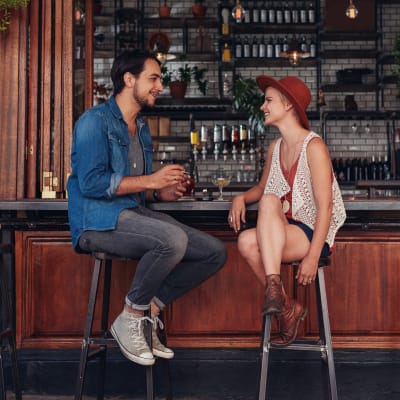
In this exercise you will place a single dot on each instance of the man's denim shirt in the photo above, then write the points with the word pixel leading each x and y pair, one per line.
pixel 99 161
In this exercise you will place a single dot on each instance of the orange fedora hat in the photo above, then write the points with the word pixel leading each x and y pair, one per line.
pixel 294 89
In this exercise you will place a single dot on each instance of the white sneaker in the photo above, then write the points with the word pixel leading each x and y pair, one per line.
pixel 127 330
pixel 158 348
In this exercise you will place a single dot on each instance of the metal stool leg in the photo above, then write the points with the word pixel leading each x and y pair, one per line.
pixel 149 369
pixel 326 332
pixel 88 329
pixel 104 329
pixel 265 357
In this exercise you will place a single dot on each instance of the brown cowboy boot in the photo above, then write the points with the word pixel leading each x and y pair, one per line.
pixel 274 295
pixel 288 322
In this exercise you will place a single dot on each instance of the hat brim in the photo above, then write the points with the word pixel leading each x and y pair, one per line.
pixel 264 81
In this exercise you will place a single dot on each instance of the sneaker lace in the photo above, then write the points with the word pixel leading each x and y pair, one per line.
pixel 135 325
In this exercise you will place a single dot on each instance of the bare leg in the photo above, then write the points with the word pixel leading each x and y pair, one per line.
pixel 248 248
pixel 271 233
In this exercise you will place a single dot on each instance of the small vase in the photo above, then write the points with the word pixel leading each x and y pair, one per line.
pixel 199 10
pixel 164 11
pixel 178 89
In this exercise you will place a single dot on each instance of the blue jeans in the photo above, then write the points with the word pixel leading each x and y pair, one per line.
pixel 173 258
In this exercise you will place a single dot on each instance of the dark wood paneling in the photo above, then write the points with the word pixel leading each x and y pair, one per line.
pixel 13 83
pixel 363 282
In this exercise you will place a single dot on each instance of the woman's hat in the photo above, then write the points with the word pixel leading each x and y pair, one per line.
pixel 294 89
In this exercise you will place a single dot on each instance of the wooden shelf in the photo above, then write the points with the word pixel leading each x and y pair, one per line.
pixel 337 87
pixel 346 54
pixel 272 62
pixel 343 36
pixel 243 29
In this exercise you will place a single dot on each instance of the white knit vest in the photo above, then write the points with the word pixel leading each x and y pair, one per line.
pixel 303 202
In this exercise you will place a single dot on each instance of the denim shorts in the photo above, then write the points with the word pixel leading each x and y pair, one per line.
pixel 326 251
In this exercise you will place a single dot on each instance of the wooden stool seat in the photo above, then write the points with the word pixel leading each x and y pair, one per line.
pixel 7 333
pixel 101 343
pixel 323 345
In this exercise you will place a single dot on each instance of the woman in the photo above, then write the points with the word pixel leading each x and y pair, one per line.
pixel 300 205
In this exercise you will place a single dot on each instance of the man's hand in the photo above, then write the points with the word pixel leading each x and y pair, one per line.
pixel 167 177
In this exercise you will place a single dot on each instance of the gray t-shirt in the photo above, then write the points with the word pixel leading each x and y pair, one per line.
pixel 136 159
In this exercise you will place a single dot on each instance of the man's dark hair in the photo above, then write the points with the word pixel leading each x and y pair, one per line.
pixel 129 61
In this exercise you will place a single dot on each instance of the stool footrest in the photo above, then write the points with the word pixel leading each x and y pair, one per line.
pixel 103 341
pixel 302 346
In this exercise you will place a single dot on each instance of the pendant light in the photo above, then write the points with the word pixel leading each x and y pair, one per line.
pixel 294 54
pixel 351 11
pixel 238 12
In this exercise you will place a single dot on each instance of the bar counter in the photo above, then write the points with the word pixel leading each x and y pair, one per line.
pixel 351 204
pixel 363 280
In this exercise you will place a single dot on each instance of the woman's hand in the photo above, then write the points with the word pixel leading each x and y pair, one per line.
pixel 237 213
pixel 307 271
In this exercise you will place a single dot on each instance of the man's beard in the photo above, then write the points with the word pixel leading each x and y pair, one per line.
pixel 141 100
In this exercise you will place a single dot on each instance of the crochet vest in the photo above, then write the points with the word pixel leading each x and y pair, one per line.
pixel 303 202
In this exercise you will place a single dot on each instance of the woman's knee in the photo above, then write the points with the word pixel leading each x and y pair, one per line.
pixel 269 202
pixel 247 242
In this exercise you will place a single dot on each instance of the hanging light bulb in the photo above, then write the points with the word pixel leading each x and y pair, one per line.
pixel 238 12
pixel 351 11
pixel 294 54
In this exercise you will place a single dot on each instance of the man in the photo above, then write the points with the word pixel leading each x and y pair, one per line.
pixel 108 189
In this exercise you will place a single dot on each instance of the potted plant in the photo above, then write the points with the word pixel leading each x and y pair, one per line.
pixel 5 11
pixel 199 9
pixel 248 98
pixel 164 10
pixel 178 79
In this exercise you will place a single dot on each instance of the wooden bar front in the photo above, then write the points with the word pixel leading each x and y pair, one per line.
pixel 363 282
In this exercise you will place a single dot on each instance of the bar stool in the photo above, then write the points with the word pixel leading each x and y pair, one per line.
pixel 323 345
pixel 7 334
pixel 101 343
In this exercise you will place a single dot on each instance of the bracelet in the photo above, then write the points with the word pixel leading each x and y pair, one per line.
pixel 156 195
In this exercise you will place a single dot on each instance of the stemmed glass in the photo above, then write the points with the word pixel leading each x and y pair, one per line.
pixel 221 179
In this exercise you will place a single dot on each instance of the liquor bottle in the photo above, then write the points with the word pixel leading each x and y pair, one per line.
pixel 234 136
pixel 246 47
pixel 270 48
pixel 226 53
pixel 373 169
pixel 194 133
pixel 217 140
pixel 313 49
pixel 238 48
pixel 243 136
pixel 203 136
pixel 386 168
pixel 279 14
pixel 271 14
pixel 287 14
pixel 311 13
pixel 380 168
pixel 256 14
pixel 303 44
pixel 226 142
pixel 226 86
pixel 303 13
pixel 261 48
pixel 285 45
pixel 347 169
pixel 254 48
pixel 277 48
pixel 247 15
pixel 295 14
pixel 365 169
pixel 263 13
